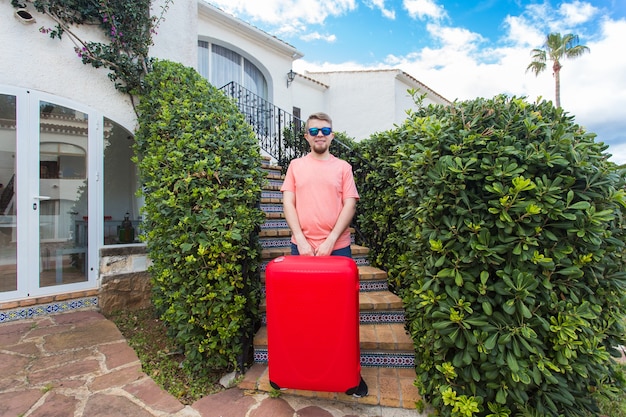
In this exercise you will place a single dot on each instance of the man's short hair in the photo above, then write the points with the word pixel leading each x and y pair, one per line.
pixel 319 116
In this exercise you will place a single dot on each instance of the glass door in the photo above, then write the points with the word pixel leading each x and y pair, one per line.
pixel 44 211
pixel 8 200
pixel 62 198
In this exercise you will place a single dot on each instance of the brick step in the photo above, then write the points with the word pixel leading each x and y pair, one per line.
pixel 370 302
pixel 272 228
pixel 271 232
pixel 273 184
pixel 272 208
pixel 374 307
pixel 386 344
pixel 366 317
pixel 388 387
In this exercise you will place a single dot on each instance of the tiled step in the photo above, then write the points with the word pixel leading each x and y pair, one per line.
pixel 382 345
pixel 388 387
pixel 271 196
pixel 375 307
pixel 273 184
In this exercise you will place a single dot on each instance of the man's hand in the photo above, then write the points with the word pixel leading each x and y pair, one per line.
pixel 304 248
pixel 325 248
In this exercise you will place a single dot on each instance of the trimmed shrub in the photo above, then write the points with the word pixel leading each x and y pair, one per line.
pixel 200 166
pixel 503 221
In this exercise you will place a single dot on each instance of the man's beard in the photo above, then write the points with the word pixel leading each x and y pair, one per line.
pixel 318 150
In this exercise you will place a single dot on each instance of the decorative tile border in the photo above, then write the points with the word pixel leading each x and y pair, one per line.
pixel 47 309
pixel 366 286
pixel 275 242
pixel 275 224
pixel 381 317
pixel 272 208
pixel 388 360
pixel 271 194
pixel 372 359
pixel 387 317
pixel 275 183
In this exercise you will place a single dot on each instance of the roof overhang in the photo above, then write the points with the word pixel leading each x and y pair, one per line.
pixel 215 14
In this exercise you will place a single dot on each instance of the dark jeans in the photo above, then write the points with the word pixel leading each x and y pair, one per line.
pixel 347 252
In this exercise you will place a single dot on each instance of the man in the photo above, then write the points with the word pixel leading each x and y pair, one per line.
pixel 319 200
pixel 319 195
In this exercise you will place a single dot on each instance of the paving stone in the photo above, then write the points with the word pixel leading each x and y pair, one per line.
pixel 117 378
pixel 11 333
pixel 102 405
pixel 45 321
pixel 66 371
pixel 18 403
pixel 11 365
pixel 98 332
pixel 56 405
pixel 81 318
pixel 118 354
pixel 273 407
pixel 55 360
pixel 229 403
pixel 13 382
pixel 154 396
pixel 313 411
pixel 37 332
pixel 24 348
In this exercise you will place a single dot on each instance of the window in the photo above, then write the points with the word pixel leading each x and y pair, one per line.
pixel 222 66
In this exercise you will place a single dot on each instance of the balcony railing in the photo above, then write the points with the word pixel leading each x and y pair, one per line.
pixel 279 132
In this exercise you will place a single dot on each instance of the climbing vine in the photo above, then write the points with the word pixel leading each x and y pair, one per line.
pixel 128 25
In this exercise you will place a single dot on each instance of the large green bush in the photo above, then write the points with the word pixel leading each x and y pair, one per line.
pixel 202 177
pixel 502 224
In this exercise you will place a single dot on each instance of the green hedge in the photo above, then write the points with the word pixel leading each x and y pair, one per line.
pixel 502 225
pixel 200 166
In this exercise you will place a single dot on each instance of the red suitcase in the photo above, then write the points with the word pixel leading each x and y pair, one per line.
pixel 313 323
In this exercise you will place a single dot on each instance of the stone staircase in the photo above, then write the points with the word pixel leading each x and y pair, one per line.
pixel 387 355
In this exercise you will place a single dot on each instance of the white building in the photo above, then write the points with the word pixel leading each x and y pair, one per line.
pixel 66 133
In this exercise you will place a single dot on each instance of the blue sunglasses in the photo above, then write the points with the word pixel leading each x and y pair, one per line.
pixel 313 131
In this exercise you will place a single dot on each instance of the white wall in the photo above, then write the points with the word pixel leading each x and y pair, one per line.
pixel 33 60
pixel 177 37
pixel 360 102
pixel 308 95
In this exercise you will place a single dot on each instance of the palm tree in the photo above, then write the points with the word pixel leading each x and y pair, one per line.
pixel 556 48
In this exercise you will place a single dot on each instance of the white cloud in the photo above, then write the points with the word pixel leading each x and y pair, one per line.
pixel 522 33
pixel 577 13
pixel 276 12
pixel 315 36
pixel 380 4
pixel 422 9
pixel 454 37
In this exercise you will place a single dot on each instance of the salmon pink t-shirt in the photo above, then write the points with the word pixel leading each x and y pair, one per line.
pixel 320 186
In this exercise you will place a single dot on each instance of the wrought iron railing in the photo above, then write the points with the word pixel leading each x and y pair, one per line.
pixel 279 132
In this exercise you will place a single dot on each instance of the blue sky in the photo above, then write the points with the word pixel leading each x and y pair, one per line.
pixel 463 49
